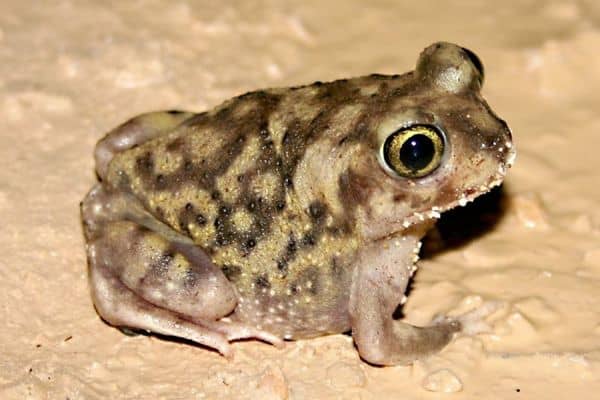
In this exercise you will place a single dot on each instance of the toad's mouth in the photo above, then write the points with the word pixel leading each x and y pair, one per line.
pixel 426 217
pixel 418 223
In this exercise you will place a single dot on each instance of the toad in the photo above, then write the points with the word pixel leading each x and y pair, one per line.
pixel 290 213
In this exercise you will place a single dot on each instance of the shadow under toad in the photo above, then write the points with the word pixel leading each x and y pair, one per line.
pixel 458 227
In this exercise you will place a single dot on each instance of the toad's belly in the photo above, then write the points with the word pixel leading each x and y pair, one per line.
pixel 294 317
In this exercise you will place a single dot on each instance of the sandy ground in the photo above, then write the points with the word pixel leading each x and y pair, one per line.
pixel 71 70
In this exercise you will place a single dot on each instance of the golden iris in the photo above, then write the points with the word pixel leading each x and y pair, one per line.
pixel 415 151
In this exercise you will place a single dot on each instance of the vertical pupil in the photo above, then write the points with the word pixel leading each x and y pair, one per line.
pixel 417 152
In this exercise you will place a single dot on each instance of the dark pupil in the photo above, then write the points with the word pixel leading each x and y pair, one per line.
pixel 417 152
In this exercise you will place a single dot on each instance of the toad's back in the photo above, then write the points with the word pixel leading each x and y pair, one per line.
pixel 238 181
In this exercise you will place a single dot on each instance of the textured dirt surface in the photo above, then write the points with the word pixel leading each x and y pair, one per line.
pixel 71 70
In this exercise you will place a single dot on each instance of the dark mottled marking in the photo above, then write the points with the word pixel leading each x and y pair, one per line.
pixel 263 130
pixel 288 182
pixel 469 191
pixel 354 189
pixel 262 282
pixel 282 266
pixel 225 210
pixel 183 227
pixel 287 255
pixel 247 246
pixel 398 197
pixel 192 277
pixel 160 182
pixel 309 239
pixel 144 165
pixel 294 288
pixel 187 215
pixel 222 239
pixel 232 272
pixel 316 210
pixel 161 264
pixel 299 135
pixel 200 219
pixel 176 145
pixel 291 246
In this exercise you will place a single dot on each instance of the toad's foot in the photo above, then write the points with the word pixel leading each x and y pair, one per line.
pixel 238 331
pixel 398 343
pixel 473 322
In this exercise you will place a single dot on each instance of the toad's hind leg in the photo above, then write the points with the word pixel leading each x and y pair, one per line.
pixel 121 307
pixel 134 132
pixel 145 276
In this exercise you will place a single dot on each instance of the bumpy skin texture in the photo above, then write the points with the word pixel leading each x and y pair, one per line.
pixel 272 217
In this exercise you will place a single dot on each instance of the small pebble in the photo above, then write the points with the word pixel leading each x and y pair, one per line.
pixel 442 380
pixel 530 211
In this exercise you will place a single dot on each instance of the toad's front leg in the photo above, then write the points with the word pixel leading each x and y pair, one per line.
pixel 379 282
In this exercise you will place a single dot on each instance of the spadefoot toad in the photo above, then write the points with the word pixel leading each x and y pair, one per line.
pixel 294 212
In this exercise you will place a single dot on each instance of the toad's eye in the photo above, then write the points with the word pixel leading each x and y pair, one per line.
pixel 415 151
